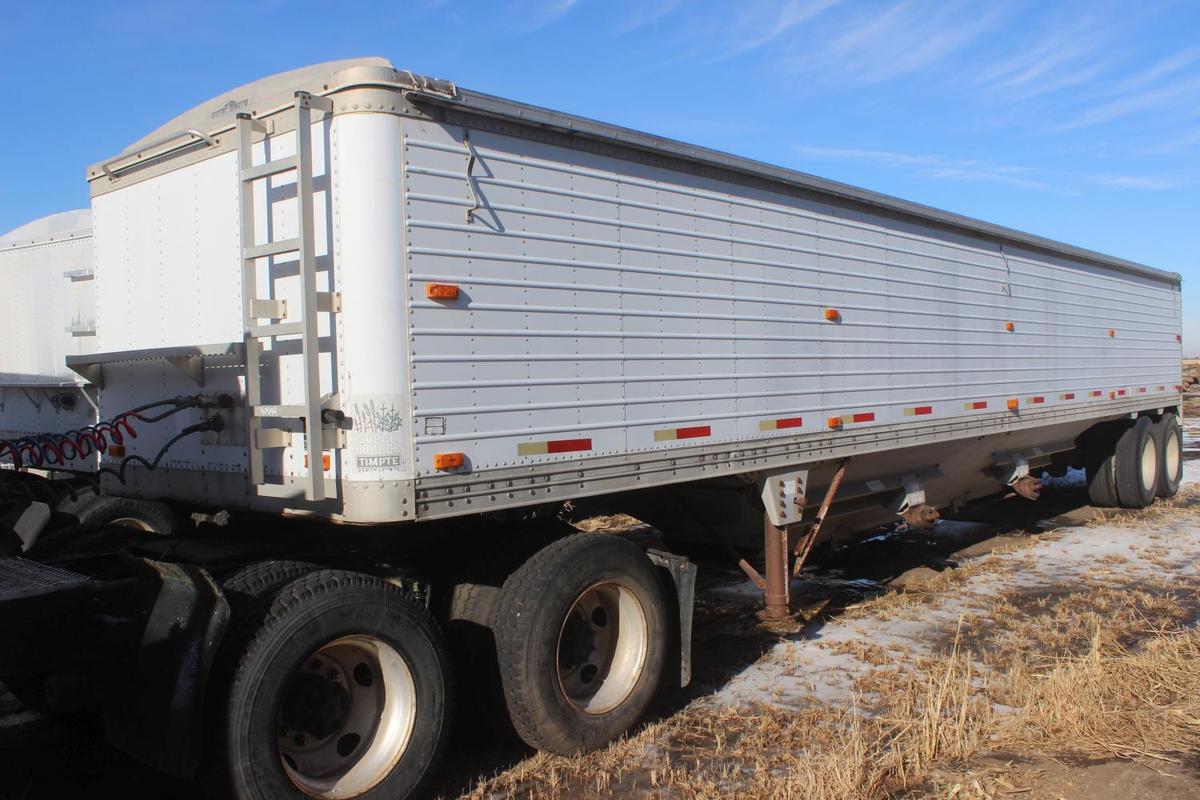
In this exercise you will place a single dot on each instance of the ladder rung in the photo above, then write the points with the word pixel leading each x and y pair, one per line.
pixel 329 301
pixel 279 412
pixel 271 248
pixel 269 168
pixel 272 438
pixel 268 309
pixel 278 329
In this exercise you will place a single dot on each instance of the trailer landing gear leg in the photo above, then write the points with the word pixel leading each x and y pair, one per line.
pixel 775 543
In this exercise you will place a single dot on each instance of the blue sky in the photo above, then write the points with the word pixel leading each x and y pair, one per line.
pixel 1077 121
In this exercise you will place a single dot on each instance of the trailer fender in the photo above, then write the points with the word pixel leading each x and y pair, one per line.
pixel 683 577
pixel 154 709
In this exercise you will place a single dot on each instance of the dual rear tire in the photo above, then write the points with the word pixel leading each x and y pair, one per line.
pixel 582 638
pixel 330 685
pixel 1131 463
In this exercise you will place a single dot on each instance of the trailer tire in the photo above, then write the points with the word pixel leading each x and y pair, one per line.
pixel 1170 454
pixel 1137 464
pixel 92 522
pixel 549 641
pixel 249 584
pixel 1100 467
pixel 147 516
pixel 332 652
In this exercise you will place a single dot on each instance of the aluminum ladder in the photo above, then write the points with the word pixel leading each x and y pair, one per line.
pixel 317 438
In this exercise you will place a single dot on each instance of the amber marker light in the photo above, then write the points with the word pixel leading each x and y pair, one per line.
pixel 441 291
pixel 447 460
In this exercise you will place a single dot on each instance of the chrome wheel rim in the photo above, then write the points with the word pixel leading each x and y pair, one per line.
pixel 602 647
pixel 346 717
pixel 1149 464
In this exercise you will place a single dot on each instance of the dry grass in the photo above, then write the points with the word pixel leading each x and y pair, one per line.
pixel 1105 668
pixel 814 752
pixel 612 522
pixel 1164 509
pixel 1112 702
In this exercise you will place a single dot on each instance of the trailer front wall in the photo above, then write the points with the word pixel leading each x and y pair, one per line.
pixel 50 313
pixel 609 305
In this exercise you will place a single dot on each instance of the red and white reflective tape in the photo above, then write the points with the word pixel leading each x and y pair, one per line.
pixel 553 446
pixel 975 405
pixel 836 423
pixel 1037 399
pixel 781 423
pixel 918 411
pixel 693 432
pixel 1096 393
pixel 1067 396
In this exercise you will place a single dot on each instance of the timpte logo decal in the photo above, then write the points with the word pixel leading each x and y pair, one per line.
pixel 230 107
pixel 378 435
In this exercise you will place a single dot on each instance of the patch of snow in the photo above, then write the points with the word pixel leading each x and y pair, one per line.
pixel 803 668
pixel 1073 478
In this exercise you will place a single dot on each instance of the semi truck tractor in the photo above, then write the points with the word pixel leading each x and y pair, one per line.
pixel 363 336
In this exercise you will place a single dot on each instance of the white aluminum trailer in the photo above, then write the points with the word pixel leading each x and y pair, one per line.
pixel 368 297
pixel 46 277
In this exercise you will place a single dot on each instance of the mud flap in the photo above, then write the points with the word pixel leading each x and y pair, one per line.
pixel 155 708
pixel 683 576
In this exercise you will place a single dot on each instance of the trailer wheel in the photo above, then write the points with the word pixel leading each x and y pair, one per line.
pixel 582 641
pixel 1137 464
pixel 1170 454
pixel 147 516
pixel 1101 467
pixel 342 690
pixel 250 583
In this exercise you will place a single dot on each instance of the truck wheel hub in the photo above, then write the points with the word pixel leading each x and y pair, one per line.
pixel 347 717
pixel 602 648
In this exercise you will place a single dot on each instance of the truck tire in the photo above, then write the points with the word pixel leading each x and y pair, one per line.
pixel 148 516
pixel 1100 465
pixel 582 637
pixel 1170 454
pixel 98 521
pixel 1137 464
pixel 340 689
pixel 249 584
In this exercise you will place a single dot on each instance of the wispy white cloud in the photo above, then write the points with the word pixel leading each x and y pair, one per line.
pixel 932 166
pixel 1150 182
pixel 526 16
pixel 1167 66
pixel 945 167
pixel 751 34
pixel 1174 144
pixel 1186 90
pixel 878 46
pixel 643 14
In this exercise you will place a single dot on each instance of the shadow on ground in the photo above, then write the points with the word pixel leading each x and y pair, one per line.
pixel 45 760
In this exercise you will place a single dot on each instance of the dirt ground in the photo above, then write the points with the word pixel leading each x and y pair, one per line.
pixel 1041 650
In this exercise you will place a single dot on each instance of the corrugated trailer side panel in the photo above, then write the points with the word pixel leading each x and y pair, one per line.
pixel 50 314
pixel 610 305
